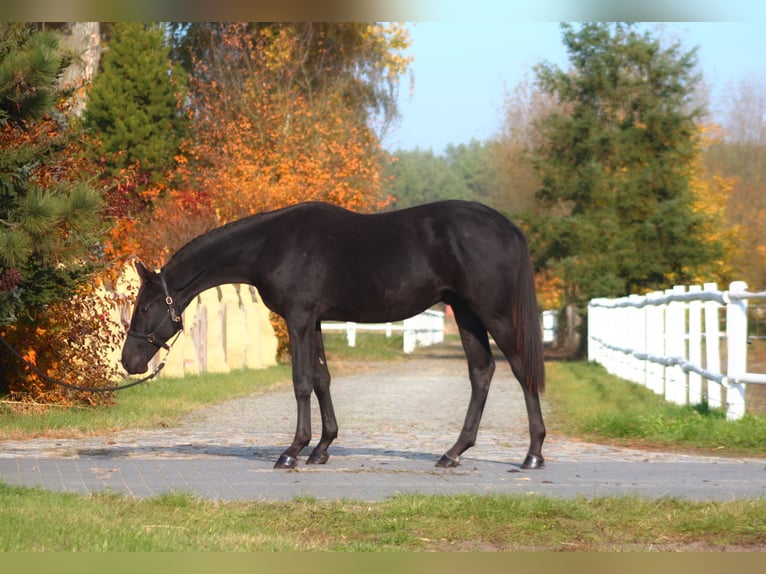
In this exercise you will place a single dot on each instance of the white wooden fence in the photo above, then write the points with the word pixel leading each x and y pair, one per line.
pixel 661 341
pixel 422 330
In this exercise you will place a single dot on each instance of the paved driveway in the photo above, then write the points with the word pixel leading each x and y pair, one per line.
pixel 396 420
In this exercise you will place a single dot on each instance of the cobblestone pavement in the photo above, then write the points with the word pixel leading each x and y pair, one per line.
pixel 396 420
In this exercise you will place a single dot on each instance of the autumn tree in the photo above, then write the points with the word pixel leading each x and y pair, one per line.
pixel 712 193
pixel 614 212
pixel 282 113
pixel 513 148
pixel 739 153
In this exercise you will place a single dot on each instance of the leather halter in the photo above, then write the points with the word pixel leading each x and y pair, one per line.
pixel 175 318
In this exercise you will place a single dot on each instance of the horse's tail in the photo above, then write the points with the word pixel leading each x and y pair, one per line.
pixel 526 322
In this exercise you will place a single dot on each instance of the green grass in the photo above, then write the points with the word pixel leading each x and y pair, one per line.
pixel 34 520
pixel 157 403
pixel 585 401
pixel 369 347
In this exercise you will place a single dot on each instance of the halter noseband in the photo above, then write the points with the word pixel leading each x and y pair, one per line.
pixel 172 314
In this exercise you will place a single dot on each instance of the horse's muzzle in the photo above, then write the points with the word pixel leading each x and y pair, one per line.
pixel 134 367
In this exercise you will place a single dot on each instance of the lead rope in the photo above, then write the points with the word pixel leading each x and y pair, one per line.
pixel 66 385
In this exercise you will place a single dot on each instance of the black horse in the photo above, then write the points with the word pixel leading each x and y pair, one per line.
pixel 314 262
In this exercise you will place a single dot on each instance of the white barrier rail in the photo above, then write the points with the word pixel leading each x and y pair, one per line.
pixel 422 330
pixel 658 340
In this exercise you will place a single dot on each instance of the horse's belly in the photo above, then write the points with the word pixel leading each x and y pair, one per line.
pixel 382 305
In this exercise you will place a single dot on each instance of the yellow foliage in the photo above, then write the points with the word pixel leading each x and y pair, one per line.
pixel 550 290
pixel 711 193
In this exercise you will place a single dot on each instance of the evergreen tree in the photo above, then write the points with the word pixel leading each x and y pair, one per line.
pixel 28 67
pixel 416 177
pixel 614 213
pixel 49 217
pixel 133 104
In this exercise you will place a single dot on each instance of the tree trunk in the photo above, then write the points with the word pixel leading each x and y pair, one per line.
pixel 570 344
pixel 83 41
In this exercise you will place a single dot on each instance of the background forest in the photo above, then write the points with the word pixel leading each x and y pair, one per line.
pixel 126 140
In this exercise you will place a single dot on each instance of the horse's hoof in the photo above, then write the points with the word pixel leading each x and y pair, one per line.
pixel 533 461
pixel 318 457
pixel 448 462
pixel 286 461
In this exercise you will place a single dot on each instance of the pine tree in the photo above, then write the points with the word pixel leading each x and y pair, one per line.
pixel 49 217
pixel 28 68
pixel 133 104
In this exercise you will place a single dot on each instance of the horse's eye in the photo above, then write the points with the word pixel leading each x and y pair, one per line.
pixel 145 309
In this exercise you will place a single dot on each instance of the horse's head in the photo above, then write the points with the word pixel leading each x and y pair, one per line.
pixel 156 318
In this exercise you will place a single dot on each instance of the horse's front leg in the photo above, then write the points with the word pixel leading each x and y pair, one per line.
pixel 302 345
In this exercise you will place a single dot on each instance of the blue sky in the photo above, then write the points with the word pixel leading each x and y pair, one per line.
pixel 464 66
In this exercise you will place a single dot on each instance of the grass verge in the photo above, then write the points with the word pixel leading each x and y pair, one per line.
pixel 35 520
pixel 587 402
pixel 157 403
pixel 162 401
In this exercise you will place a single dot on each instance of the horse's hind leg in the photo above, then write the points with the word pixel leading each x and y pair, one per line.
pixel 322 389
pixel 534 458
pixel 481 367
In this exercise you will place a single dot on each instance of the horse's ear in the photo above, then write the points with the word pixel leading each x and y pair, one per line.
pixel 143 272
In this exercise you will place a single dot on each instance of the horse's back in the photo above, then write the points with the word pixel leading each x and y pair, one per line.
pixel 388 266
pixel 449 219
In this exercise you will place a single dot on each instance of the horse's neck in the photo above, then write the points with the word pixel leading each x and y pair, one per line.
pixel 204 264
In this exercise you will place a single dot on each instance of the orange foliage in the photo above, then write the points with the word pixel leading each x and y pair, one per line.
pixel 69 342
pixel 302 158
pixel 711 193
pixel 271 144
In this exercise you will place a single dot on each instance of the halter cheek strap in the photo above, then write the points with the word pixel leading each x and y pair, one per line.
pixel 175 318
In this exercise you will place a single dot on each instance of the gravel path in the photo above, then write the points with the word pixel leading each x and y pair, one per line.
pixel 396 420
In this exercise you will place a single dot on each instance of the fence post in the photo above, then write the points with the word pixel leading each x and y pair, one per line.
pixel 410 338
pixel 199 336
pixel 351 333
pixel 655 343
pixel 736 338
pixel 695 346
pixel 712 348
pixel 675 329
pixel 593 333
pixel 637 338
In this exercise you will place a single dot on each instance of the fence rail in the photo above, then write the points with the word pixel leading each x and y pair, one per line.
pixel 422 330
pixel 659 340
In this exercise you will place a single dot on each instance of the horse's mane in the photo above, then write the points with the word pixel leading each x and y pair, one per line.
pixel 212 235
